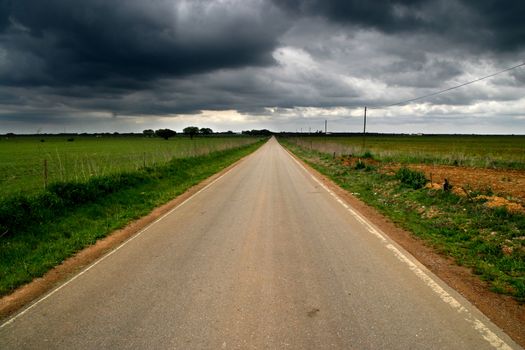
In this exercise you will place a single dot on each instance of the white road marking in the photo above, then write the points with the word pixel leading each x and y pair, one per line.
pixel 13 318
pixel 478 325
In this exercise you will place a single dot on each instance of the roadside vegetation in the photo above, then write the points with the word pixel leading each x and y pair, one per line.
pixel 460 221
pixel 42 228
pixel 29 163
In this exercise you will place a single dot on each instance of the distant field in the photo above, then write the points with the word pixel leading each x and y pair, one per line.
pixel 476 151
pixel 22 158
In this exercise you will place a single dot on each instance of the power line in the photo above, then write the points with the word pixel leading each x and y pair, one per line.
pixel 450 88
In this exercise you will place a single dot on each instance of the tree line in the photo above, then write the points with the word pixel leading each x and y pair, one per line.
pixel 192 131
pixel 167 133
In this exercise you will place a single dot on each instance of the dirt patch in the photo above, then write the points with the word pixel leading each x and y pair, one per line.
pixel 490 201
pixel 503 182
pixel 25 294
pixel 495 201
pixel 351 161
pixel 503 310
pixel 509 185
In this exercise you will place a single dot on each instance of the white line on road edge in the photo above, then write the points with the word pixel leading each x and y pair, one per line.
pixel 479 326
pixel 111 252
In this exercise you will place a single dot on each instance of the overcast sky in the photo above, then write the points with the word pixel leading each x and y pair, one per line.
pixel 128 65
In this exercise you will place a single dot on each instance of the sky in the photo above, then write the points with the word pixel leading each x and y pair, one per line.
pixel 283 65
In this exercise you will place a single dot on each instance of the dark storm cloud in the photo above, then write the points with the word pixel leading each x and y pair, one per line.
pixel 5 6
pixel 81 62
pixel 35 118
pixel 488 24
pixel 408 73
pixel 62 42
pixel 382 14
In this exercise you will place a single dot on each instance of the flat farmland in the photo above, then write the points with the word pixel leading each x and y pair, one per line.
pixel 24 159
pixel 479 151
pixel 490 164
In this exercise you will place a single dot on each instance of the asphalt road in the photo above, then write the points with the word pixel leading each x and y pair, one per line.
pixel 264 258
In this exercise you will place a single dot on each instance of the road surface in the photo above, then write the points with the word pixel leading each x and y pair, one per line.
pixel 264 258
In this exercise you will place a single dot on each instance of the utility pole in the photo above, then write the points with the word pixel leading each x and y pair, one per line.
pixel 364 130
pixel 325 126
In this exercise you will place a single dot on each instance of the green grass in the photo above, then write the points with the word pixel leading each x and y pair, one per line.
pixel 45 228
pixel 476 151
pixel 22 157
pixel 490 241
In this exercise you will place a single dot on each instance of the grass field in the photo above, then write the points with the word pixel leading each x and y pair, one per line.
pixel 490 240
pixel 22 158
pixel 38 231
pixel 475 151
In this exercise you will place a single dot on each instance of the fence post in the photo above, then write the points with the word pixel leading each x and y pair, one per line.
pixel 45 174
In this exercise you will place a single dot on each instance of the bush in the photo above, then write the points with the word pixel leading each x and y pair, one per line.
pixel 79 193
pixel 412 178
pixel 367 155
pixel 20 212
pixel 360 165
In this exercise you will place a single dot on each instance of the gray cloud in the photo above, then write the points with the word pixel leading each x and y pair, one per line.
pixel 489 24
pixel 279 62
pixel 63 43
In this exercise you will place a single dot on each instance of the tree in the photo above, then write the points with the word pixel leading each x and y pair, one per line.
pixel 191 130
pixel 165 133
pixel 148 132
pixel 206 131
pixel 262 132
